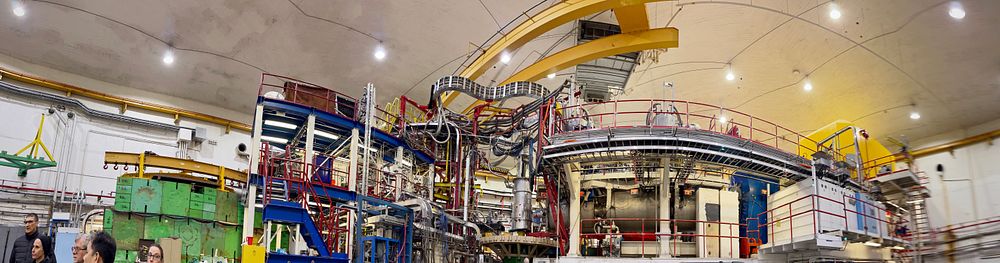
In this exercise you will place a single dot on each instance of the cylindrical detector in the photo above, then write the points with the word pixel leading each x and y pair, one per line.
pixel 521 206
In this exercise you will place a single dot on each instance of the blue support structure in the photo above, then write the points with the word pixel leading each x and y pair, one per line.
pixel 344 123
pixel 383 244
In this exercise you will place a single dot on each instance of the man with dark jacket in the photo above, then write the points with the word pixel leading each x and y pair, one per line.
pixel 22 246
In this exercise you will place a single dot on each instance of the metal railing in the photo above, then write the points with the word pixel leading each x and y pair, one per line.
pixel 644 234
pixel 681 114
pixel 890 221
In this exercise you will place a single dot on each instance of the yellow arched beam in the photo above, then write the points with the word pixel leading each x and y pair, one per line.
pixel 550 18
pixel 606 46
pixel 632 18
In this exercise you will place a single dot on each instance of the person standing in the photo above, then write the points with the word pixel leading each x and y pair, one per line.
pixel 21 253
pixel 101 249
pixel 80 247
pixel 41 250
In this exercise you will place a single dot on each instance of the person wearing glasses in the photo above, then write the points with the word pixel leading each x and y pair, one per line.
pixel 21 252
pixel 80 247
pixel 155 254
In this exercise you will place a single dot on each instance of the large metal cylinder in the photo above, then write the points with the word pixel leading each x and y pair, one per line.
pixel 521 207
pixel 624 205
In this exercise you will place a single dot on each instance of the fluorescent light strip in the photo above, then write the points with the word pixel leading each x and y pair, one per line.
pixel 366 148
pixel 274 139
pixel 280 124
pixel 326 134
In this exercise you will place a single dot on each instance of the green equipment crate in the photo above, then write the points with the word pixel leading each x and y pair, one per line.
pixel 126 256
pixel 146 195
pixel 192 234
pixel 176 198
pixel 156 227
pixel 258 220
pixel 233 242
pixel 215 239
pixel 207 215
pixel 123 202
pixel 128 230
pixel 227 207
pixel 109 220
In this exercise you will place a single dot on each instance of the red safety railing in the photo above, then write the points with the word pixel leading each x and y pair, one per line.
pixel 330 218
pixel 635 113
pixel 652 234
pixel 308 94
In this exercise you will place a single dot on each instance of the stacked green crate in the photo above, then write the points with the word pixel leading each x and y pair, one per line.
pixel 227 207
pixel 176 198
pixel 191 234
pixel 146 195
pixel 196 203
pixel 233 241
pixel 128 230
pixel 123 194
pixel 126 256
pixel 215 238
pixel 208 210
pixel 109 220
pixel 157 227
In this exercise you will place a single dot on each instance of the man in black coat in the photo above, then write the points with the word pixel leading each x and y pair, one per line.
pixel 22 246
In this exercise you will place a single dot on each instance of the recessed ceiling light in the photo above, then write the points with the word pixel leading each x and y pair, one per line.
pixel 280 124
pixel 379 52
pixel 722 119
pixel 808 86
pixel 956 11
pixel 274 139
pixel 326 134
pixel 18 9
pixel 835 13
pixel 729 75
pixel 551 75
pixel 915 115
pixel 168 58
pixel 505 58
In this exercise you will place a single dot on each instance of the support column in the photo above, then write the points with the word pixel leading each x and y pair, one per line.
pixel 352 184
pixel 664 213
pixel 352 156
pixel 573 178
pixel 251 205
pixel 310 143
pixel 406 175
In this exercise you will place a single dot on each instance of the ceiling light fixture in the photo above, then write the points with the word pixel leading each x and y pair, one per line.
pixel 280 124
pixel 18 9
pixel 808 86
pixel 379 52
pixel 551 75
pixel 956 11
pixel 274 139
pixel 326 134
pixel 168 58
pixel 729 72
pixel 872 244
pixel 835 13
pixel 914 115
pixel 505 58
pixel 722 119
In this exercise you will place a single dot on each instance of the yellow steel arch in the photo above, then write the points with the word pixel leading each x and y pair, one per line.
pixel 606 46
pixel 552 17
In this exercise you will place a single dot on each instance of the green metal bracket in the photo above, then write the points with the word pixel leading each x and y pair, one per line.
pixel 30 160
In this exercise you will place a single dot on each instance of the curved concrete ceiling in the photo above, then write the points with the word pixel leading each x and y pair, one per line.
pixel 869 66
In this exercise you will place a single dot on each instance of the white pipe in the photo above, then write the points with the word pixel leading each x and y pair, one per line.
pixel 468 186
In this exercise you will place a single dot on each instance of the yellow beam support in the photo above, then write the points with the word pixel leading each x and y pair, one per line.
pixel 550 18
pixel 632 18
pixel 146 161
pixel 607 46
